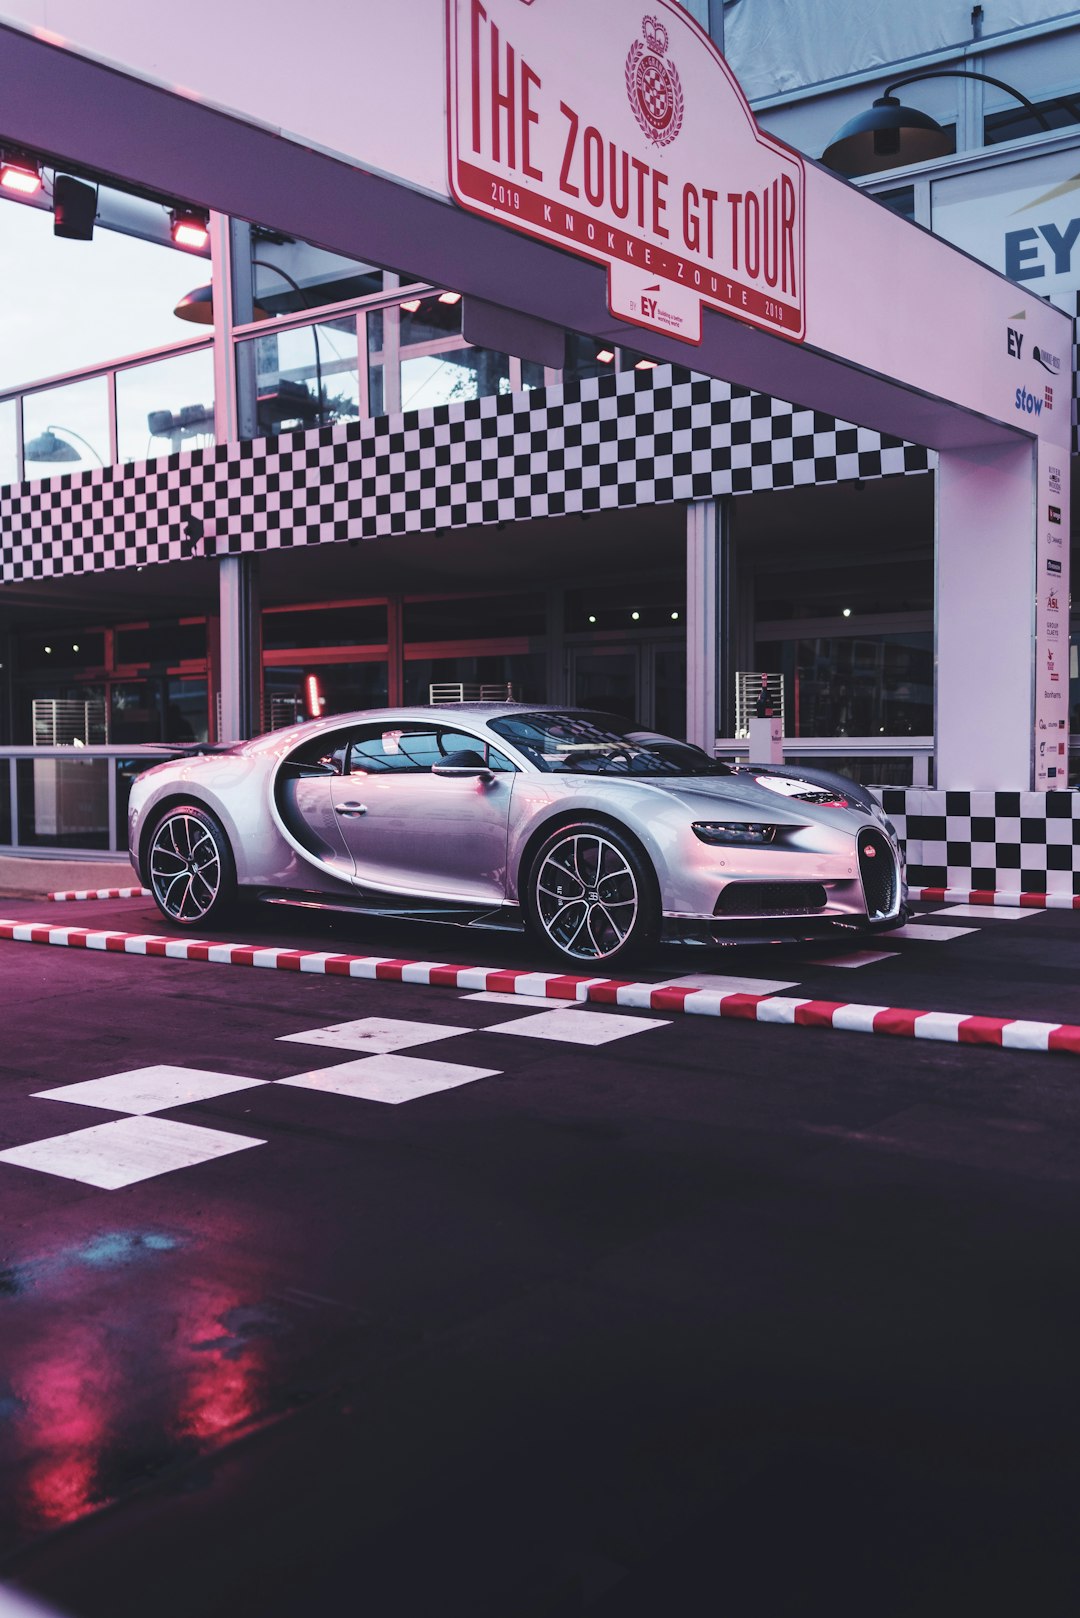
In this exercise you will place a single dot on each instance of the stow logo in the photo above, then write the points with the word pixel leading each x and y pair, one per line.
pixel 1031 402
pixel 1054 513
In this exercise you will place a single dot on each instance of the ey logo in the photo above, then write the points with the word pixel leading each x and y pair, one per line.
pixel 649 305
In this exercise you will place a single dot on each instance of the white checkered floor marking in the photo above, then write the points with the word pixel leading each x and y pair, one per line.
pixel 597 1028
pixel 988 912
pixel 929 932
pixel 389 1078
pixel 125 1151
pixel 375 1034
pixel 726 985
pixel 149 1089
pixel 858 957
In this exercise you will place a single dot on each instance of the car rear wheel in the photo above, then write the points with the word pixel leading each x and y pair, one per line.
pixel 190 867
pixel 591 896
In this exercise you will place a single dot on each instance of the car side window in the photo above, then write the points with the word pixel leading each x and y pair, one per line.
pixel 323 755
pixel 413 749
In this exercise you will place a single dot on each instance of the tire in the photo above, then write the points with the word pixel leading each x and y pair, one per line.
pixel 190 868
pixel 591 897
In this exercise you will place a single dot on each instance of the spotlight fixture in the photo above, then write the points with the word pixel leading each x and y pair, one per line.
pixel 449 297
pixel 646 365
pixel 189 227
pixel 847 612
pixel 20 174
pixel 411 305
pixel 604 356
pixel 592 617
pixel 635 616
pixel 74 208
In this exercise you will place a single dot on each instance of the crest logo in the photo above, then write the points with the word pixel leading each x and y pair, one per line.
pixel 653 86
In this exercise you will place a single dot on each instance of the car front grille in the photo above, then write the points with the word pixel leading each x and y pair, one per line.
pixel 771 899
pixel 877 867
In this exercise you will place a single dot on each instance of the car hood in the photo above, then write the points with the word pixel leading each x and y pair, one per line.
pixel 771 796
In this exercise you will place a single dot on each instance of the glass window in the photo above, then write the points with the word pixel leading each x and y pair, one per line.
pixel 187 715
pixel 135 711
pixel 645 603
pixel 291 275
pixel 451 376
pixel 532 375
pixel 9 449
pixel 586 357
pixel 584 743
pixel 341 688
pixel 901 201
pixel 476 619
pixel 376 391
pixel 63 803
pixel 428 319
pixel 61 649
pixel 305 377
pixel 406 748
pixel 517 677
pixel 325 626
pixel 872 685
pixel 66 429
pixel 163 642
pixel 5 801
pixel 165 406
pixel 1015 122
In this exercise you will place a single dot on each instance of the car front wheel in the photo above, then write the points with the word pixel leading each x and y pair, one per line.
pixel 190 867
pixel 591 896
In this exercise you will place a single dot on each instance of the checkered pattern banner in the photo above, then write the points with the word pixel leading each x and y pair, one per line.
pixel 638 438
pixel 1019 842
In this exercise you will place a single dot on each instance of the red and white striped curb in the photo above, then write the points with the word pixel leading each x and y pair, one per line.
pixel 99 893
pixel 996 896
pixel 1011 1033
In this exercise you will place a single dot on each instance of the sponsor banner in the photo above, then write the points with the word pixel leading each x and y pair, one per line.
pixel 1051 706
pixel 1022 218
pixel 598 130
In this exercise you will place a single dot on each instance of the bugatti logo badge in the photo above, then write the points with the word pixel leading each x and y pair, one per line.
pixel 653 86
pixel 870 851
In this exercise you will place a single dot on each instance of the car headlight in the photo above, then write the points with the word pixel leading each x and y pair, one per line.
pixel 733 832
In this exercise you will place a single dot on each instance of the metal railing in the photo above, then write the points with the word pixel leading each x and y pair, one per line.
pixel 892 761
pixel 456 691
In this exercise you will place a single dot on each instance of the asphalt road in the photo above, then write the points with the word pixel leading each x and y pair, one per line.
pixel 617 1314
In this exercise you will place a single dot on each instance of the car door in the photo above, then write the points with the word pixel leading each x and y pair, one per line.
pixel 413 832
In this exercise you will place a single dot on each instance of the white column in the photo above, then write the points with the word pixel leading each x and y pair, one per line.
pixel 707 608
pixel 985 613
pixel 241 647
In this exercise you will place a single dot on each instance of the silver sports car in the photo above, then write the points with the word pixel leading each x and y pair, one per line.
pixel 597 837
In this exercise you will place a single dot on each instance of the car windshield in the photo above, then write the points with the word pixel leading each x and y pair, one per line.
pixel 601 744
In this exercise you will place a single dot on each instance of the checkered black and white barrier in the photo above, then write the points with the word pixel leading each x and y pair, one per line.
pixel 1004 842
pixel 637 438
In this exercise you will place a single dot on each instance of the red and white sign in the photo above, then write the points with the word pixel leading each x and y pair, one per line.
pixel 629 143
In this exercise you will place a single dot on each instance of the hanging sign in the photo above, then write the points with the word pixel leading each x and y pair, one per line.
pixel 617 132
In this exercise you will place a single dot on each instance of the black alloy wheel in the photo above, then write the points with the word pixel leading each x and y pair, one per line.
pixel 591 896
pixel 190 866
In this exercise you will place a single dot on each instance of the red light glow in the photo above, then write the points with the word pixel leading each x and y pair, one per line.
pixel 190 230
pixel 313 696
pixel 20 178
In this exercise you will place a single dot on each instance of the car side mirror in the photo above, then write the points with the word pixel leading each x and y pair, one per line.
pixel 463 764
